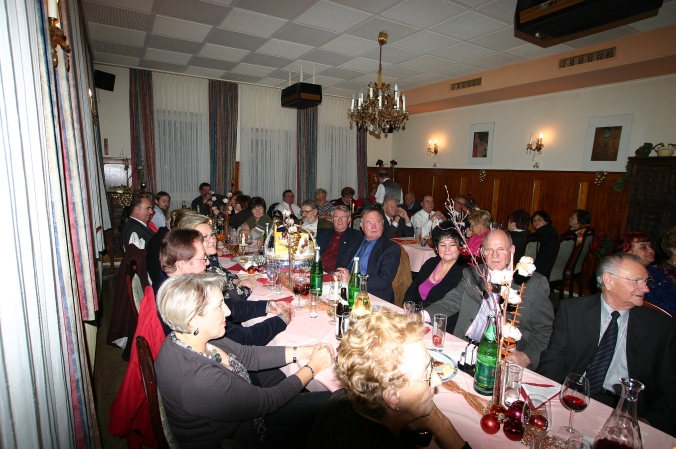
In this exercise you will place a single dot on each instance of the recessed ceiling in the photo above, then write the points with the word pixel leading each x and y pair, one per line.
pixel 263 41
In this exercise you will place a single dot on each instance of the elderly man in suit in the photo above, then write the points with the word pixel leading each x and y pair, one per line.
pixel 537 313
pixel 337 244
pixel 609 335
pixel 378 256
pixel 135 229
pixel 397 223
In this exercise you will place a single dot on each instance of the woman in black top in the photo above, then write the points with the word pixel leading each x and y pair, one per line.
pixel 550 242
pixel 242 211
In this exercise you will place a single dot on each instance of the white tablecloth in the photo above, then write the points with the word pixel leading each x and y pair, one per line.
pixel 304 330
pixel 418 254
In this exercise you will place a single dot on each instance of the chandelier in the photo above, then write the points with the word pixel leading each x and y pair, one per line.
pixel 380 111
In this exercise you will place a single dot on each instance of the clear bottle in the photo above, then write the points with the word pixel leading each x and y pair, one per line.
pixel 621 430
pixel 362 304
pixel 317 274
pixel 342 309
pixel 353 285
pixel 486 360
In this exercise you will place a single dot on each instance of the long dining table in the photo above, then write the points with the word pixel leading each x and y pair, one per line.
pixel 304 330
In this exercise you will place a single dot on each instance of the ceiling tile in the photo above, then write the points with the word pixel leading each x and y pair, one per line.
pixel 115 34
pixel 399 71
pixel 463 52
pixel 138 5
pixel 284 49
pixel 338 92
pixel 500 40
pixel 326 81
pixel 215 64
pixel 307 67
pixel 326 57
pixel 603 36
pixel 354 46
pixel 341 73
pixel 423 13
pixel 271 82
pixel 116 59
pixel 191 10
pixel 168 26
pixel 171 44
pixel 500 9
pixel 119 17
pixel 370 29
pixel 494 61
pixel 427 78
pixel 427 63
pixel 406 85
pixel 266 60
pixel 362 65
pixel 392 55
pixel 252 22
pixel 458 70
pixel 468 26
pixel 425 42
pixel 241 78
pixel 666 17
pixel 115 48
pixel 369 78
pixel 223 53
pixel 163 66
pixel 372 6
pixel 331 16
pixel 304 34
pixel 530 51
pixel 252 70
pixel 474 3
pixel 287 9
pixel 170 57
pixel 235 39
pixel 206 73
pixel 221 2
pixel 351 85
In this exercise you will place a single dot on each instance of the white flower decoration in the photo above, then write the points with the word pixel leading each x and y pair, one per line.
pixel 512 296
pixel 500 276
pixel 229 195
pixel 511 331
pixel 215 209
pixel 525 267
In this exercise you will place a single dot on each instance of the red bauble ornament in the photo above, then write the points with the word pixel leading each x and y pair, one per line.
pixel 490 424
pixel 513 430
pixel 539 420
pixel 436 339
pixel 515 411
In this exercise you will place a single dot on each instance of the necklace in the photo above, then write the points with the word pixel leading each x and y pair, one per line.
pixel 215 356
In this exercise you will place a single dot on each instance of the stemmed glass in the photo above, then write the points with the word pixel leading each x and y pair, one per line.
pixel 298 289
pixel 305 267
pixel 536 417
pixel 575 397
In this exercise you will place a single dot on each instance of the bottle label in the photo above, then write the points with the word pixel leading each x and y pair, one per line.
pixel 317 283
pixel 485 373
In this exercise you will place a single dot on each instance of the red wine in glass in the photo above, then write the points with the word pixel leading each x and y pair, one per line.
pixel 574 403
pixel 607 444
pixel 575 397
pixel 298 289
pixel 306 290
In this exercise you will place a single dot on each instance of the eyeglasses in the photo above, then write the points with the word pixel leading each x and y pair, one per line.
pixel 430 370
pixel 636 282
pixel 305 211
pixel 489 251
pixel 204 259
pixel 209 236
pixel 340 218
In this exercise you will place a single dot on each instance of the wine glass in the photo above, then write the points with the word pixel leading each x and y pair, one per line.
pixel 575 397
pixel 536 417
pixel 298 289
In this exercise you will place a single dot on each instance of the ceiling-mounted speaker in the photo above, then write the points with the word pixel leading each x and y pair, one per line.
pixel 104 80
pixel 552 22
pixel 302 96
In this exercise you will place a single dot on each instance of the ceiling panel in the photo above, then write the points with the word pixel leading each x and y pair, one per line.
pixel 181 29
pixel 107 58
pixel 396 71
pixel 204 72
pixel 494 61
pixel 474 3
pixel 469 25
pixel 170 57
pixel 457 70
pixel 209 63
pixel 530 51
pixel 285 9
pixel 162 66
pixel 307 66
pixel 615 33
pixel 372 6
pixel 241 78
pixel 172 44
pixel 425 42
pixel 284 49
pixel 463 52
pixel 500 9
pixel 267 60
pixel 252 70
pixel 423 13
pixel 338 92
pixel 499 41
pixel 427 63
pixel 304 34
pixel 326 57
pixel 115 34
pixel 191 10
pixel 119 17
pixel 325 81
pixel 351 85
pixel 371 28
pixel 342 73
pixel 362 65
pixel 270 82
pixel 235 39
pixel 251 22
pixel 392 55
pixel 115 48
pixel 224 53
pixel 427 78
pixel 331 16
pixel 350 45
pixel 138 5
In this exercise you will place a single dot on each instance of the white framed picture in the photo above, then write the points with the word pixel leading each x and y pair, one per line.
pixel 607 143
pixel 480 148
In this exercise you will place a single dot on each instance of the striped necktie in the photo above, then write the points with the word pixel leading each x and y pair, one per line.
pixel 596 373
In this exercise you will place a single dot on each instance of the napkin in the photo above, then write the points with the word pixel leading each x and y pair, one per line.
pixel 326 277
pixel 228 256
pixel 262 280
pixel 286 299
pixel 236 267
pixel 546 390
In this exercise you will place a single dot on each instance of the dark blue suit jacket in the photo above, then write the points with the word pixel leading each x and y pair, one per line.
pixel 349 245
pixel 382 268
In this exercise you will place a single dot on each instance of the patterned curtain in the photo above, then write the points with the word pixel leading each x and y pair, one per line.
pixel 142 128
pixel 223 101
pixel 306 142
pixel 362 169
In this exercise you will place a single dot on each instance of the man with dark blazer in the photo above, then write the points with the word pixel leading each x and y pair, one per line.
pixel 397 223
pixel 644 348
pixel 410 205
pixel 135 229
pixel 337 244
pixel 378 256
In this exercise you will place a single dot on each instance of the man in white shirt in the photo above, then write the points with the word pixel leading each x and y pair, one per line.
pixel 388 189
pixel 287 204
pixel 135 229
pixel 427 218
pixel 162 202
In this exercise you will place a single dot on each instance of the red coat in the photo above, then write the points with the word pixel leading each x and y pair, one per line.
pixel 129 412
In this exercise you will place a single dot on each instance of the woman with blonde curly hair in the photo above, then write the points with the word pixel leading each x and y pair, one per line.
pixel 479 226
pixel 388 383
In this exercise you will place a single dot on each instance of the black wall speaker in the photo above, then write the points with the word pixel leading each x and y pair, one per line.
pixel 104 80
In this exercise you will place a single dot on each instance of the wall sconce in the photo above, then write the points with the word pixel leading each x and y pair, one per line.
pixel 56 35
pixel 95 113
pixel 432 150
pixel 537 149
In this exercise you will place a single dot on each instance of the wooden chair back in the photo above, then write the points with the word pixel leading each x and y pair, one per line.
pixel 531 246
pixel 564 253
pixel 147 366
pixel 402 281
pixel 654 306
pixel 588 237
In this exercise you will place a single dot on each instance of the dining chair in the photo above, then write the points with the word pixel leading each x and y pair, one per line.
pixel 531 246
pixel 654 306
pixel 403 279
pixel 564 255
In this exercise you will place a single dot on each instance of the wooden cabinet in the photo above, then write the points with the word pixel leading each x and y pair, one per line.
pixel 652 196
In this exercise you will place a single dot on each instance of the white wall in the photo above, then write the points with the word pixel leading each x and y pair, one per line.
pixel 113 108
pixel 562 118
pixel 379 148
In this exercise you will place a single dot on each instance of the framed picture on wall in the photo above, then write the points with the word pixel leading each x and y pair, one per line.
pixel 480 148
pixel 607 142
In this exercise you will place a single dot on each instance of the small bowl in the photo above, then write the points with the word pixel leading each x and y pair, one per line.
pixel 665 152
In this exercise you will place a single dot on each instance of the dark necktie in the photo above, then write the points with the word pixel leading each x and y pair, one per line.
pixel 360 253
pixel 596 373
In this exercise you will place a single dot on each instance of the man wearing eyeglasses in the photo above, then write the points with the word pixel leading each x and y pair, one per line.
pixel 610 335
pixel 336 245
pixel 536 311
pixel 311 221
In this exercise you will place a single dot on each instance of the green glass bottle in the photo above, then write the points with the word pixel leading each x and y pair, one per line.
pixel 317 274
pixel 486 360
pixel 353 286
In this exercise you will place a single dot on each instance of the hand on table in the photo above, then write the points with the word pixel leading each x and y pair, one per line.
pixel 518 357
pixel 282 309
pixel 245 283
pixel 344 275
pixel 321 357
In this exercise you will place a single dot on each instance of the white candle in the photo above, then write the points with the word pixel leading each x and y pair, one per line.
pixel 380 99
pixel 396 90
pixel 540 142
pixel 396 102
pixel 352 105
pixel 52 9
pixel 370 92
pixel 243 240
pixel 403 102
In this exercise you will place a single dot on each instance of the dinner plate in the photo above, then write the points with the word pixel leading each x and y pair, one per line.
pixel 242 259
pixel 443 358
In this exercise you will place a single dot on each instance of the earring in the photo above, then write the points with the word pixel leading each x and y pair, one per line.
pixel 197 331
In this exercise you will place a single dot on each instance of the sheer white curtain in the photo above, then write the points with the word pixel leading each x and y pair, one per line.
pixel 336 147
pixel 267 161
pixel 182 159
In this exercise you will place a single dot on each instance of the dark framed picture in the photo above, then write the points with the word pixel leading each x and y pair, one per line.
pixel 480 148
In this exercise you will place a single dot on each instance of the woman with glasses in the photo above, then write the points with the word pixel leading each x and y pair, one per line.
pixel 662 290
pixel 204 377
pixel 387 399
